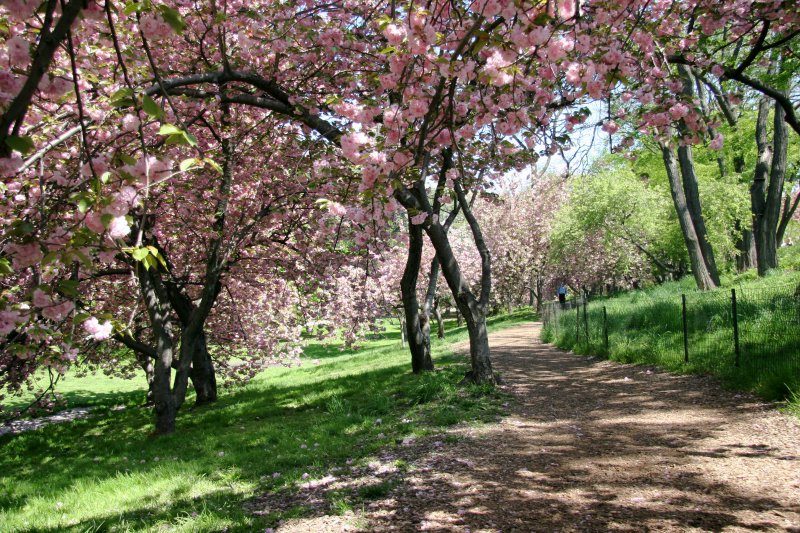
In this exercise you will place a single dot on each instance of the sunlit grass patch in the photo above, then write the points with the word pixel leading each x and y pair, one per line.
pixel 107 473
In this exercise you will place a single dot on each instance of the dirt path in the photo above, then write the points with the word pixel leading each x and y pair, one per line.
pixel 597 446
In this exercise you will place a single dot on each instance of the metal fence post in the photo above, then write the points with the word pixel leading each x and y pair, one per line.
pixel 605 328
pixel 577 321
pixel 685 332
pixel 735 327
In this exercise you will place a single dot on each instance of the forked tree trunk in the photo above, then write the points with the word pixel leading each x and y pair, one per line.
pixel 691 194
pixel 473 308
pixel 766 193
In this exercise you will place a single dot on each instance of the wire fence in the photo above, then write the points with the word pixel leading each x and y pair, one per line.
pixel 749 335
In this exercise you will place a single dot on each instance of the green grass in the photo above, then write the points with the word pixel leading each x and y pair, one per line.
pixel 108 473
pixel 646 327
pixel 95 389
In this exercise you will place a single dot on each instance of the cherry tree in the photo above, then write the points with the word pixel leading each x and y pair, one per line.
pixel 394 92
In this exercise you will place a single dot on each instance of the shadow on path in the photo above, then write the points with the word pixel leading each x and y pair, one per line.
pixel 592 445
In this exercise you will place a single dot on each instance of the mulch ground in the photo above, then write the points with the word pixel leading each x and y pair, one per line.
pixel 590 445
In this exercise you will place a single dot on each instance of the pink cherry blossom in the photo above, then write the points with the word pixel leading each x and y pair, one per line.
pixel 394 34
pixel 716 142
pixel 118 228
pixel 96 330
pixel 419 218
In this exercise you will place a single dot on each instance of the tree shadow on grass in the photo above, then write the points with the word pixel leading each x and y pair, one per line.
pixel 249 434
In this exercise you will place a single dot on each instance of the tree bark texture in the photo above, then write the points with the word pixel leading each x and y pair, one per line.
pixel 165 406
pixel 202 372
pixel 418 342
pixel 702 276
pixel 759 191
pixel 437 313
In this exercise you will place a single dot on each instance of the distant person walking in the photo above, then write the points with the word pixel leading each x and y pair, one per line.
pixel 562 294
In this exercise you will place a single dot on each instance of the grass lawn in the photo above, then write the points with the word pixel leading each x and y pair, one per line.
pixel 107 473
pixel 646 327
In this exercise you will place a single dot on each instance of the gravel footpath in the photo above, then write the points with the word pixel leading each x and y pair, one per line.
pixel 592 445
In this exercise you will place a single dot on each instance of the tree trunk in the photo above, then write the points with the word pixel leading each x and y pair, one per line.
pixel 789 208
pixel 473 309
pixel 459 318
pixel 746 257
pixel 777 176
pixel 702 276
pixel 197 364
pixel 402 330
pixel 149 372
pixel 481 371
pixel 418 342
pixel 758 190
pixel 202 372
pixel 539 294
pixel 165 407
pixel 691 192
pixel 437 312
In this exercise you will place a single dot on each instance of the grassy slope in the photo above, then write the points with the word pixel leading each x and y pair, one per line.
pixel 108 473
pixel 645 328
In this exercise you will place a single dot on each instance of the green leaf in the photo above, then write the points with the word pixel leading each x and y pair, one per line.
pixel 542 19
pixel 140 253
pixel 186 164
pixel 173 18
pixel 151 107
pixel 105 177
pixel 150 262
pixel 50 257
pixel 128 160
pixel 80 318
pixel 22 145
pixel 69 287
pixel 213 164
pixel 170 129
pixel 191 139
pixel 20 228
pixel 106 219
pixel 132 7
pixel 5 266
pixel 122 97
pixel 84 204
